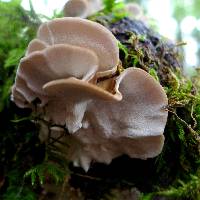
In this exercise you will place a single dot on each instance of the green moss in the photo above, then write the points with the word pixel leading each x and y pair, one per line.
pixel 183 190
pixel 40 172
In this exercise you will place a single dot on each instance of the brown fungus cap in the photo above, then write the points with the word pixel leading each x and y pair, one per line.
pixel 83 33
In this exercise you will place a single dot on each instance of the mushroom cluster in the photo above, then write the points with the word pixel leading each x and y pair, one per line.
pixel 82 8
pixel 70 74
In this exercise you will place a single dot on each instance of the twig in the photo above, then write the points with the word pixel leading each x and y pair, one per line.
pixel 87 177
pixel 185 123
pixel 180 44
pixel 63 187
pixel 192 116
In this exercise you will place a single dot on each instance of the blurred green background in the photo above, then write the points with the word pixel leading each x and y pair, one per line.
pixel 178 20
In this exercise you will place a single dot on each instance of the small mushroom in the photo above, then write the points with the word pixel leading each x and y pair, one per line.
pixel 134 10
pixel 76 8
pixel 81 8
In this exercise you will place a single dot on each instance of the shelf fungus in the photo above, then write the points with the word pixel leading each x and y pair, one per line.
pixel 82 8
pixel 71 68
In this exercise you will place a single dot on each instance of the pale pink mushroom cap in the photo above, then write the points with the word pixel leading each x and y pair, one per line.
pixel 82 8
pixel 53 62
pixel 35 45
pixel 76 8
pixel 95 6
pixel 83 33
pixel 134 10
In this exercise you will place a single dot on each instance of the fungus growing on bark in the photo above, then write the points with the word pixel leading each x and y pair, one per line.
pixel 71 67
pixel 134 9
pixel 136 12
pixel 76 8
pixel 81 8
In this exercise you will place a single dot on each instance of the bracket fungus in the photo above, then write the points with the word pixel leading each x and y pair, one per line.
pixel 72 69
pixel 82 8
